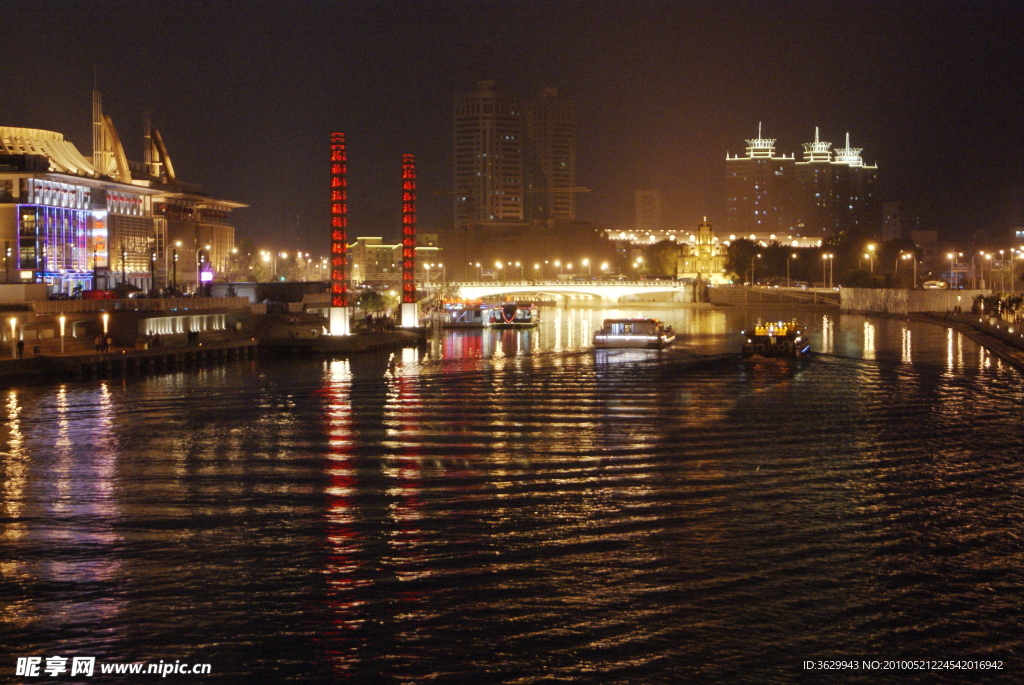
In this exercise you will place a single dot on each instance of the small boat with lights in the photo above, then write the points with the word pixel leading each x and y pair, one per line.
pixel 476 314
pixel 777 339
pixel 642 333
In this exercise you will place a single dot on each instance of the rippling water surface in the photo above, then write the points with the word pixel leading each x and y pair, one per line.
pixel 512 507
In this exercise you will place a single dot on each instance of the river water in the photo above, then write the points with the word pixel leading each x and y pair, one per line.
pixel 514 507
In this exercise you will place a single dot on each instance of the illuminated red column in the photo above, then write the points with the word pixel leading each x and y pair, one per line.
pixel 408 229
pixel 339 222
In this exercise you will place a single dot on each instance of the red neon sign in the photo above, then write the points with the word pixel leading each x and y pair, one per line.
pixel 408 229
pixel 339 222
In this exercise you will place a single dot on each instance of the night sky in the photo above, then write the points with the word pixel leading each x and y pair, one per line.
pixel 247 93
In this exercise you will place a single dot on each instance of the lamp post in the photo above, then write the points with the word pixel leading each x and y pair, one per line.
pixel 905 256
pixel 14 337
pixel 497 265
pixel 536 271
pixel 200 258
pixel 586 263
pixel 988 257
pixel 62 319
pixel 174 265
pixel 8 253
pixel 826 259
pixel 558 265
pixel 752 282
pixel 792 256
pixel 152 269
pixel 871 256
pixel 520 265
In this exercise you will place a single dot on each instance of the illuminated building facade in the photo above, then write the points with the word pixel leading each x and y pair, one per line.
pixel 515 160
pixel 702 257
pixel 377 264
pixel 62 222
pixel 80 223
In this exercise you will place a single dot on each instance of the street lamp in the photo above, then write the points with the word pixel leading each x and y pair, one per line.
pixel 177 244
pixel 905 256
pixel 988 257
pixel 871 256
pixel 791 257
pixel 536 271
pixel 586 263
pixel 757 256
pixel 14 338
pixel 520 265
pixel 826 259
pixel 497 265
pixel 952 274
pixel 62 319
pixel 558 265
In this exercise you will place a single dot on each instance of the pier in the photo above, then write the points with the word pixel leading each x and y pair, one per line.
pixel 80 365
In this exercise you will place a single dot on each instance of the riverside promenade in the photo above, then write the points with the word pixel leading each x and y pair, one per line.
pixel 1003 339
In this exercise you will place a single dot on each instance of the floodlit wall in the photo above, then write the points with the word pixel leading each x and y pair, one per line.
pixel 903 301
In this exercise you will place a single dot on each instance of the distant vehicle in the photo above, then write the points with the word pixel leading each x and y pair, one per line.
pixel 99 295
pixel 800 284
pixel 934 285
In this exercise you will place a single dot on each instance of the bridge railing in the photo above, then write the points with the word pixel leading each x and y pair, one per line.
pixel 585 282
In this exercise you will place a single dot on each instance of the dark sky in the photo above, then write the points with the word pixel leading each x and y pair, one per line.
pixel 246 94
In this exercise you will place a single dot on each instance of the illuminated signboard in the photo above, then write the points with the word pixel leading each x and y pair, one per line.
pixel 98 244
pixel 339 222
pixel 408 229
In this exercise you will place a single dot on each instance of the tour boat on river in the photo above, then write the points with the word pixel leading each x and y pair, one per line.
pixel 462 314
pixel 777 340
pixel 646 333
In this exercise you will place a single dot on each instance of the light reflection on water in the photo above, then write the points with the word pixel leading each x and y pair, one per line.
pixel 509 506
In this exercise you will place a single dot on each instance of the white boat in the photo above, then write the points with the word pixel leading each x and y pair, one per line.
pixel 645 333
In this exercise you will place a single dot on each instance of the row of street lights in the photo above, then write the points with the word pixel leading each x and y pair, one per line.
pixel 538 269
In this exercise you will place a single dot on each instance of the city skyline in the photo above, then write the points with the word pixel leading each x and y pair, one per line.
pixel 246 99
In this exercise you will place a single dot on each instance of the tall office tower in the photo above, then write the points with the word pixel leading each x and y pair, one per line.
pixel 760 190
pixel 814 182
pixel 550 156
pixel 489 178
pixel 858 209
pixel 648 212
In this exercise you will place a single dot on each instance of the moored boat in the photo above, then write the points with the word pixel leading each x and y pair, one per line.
pixel 476 314
pixel 643 333
pixel 777 339
pixel 513 315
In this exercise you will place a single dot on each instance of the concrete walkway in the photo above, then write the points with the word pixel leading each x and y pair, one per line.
pixel 1007 345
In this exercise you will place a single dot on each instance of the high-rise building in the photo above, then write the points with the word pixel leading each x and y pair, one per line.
pixel 648 212
pixel 760 190
pixel 515 160
pixel 857 207
pixel 822 195
pixel 815 188
pixel 550 153
pixel 489 180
